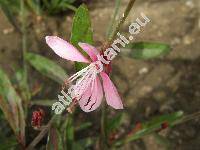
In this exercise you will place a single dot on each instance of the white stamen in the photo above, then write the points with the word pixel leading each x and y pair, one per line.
pixel 80 73
pixel 83 83
pixel 83 79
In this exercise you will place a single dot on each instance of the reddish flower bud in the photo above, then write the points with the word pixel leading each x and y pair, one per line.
pixel 164 125
pixel 137 127
pixel 37 118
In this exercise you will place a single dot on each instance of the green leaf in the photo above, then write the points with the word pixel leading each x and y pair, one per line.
pixel 7 142
pixel 69 1
pixel 22 87
pixel 68 6
pixel 152 126
pixel 8 10
pixel 81 30
pixel 84 144
pixel 55 3
pixel 57 6
pixel 163 141
pixel 46 67
pixel 45 102
pixel 34 6
pixel 54 141
pixel 1 115
pixel 113 21
pixel 148 50
pixel 80 66
pixel 69 132
pixel 11 105
pixel 83 126
pixel 114 123
pixel 67 129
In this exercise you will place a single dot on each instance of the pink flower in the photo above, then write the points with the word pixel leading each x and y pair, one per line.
pixel 91 98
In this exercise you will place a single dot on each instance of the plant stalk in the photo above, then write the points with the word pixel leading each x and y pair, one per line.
pixel 103 127
pixel 121 21
pixel 41 135
pixel 24 37
pixel 23 18
pixel 112 22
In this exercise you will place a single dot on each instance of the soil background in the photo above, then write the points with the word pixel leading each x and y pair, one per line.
pixel 149 88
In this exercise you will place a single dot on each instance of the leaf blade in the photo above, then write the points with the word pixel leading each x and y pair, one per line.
pixel 148 50
pixel 54 140
pixel 81 30
pixel 10 99
pixel 152 126
pixel 9 12
pixel 114 123
pixel 46 67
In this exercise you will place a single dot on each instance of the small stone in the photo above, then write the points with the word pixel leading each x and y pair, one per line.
pixel 160 34
pixel 176 133
pixel 187 40
pixel 145 90
pixel 143 70
pixel 190 132
pixel 8 30
pixel 190 3
pixel 68 18
pixel 160 95
pixel 176 41
pixel 148 111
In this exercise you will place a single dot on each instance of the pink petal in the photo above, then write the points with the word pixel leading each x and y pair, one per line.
pixel 90 50
pixel 112 97
pixel 84 98
pixel 92 98
pixel 64 49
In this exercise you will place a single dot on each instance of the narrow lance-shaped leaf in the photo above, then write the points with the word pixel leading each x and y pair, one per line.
pixel 8 11
pixel 83 126
pixel 46 67
pixel 81 30
pixel 114 123
pixel 43 102
pixel 11 105
pixel 7 142
pixel 152 126
pixel 163 141
pixel 85 143
pixel 69 132
pixel 35 6
pixel 22 86
pixel 147 50
pixel 113 21
pixel 54 141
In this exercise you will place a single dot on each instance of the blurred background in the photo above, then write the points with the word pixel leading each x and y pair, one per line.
pixel 149 88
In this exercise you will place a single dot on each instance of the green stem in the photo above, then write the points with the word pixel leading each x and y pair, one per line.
pixel 103 127
pixel 24 45
pixel 187 118
pixel 41 134
pixel 110 40
pixel 71 7
pixel 111 24
pixel 122 20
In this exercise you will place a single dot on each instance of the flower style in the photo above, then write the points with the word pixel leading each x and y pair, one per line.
pixel 91 95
